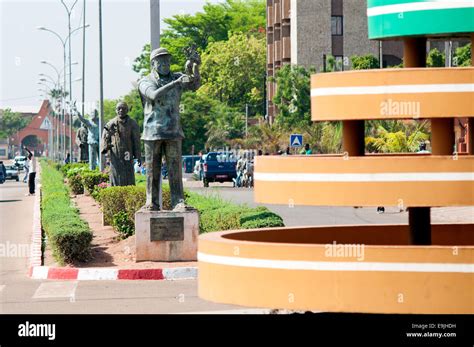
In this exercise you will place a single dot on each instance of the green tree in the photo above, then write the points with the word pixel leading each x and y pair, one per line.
pixel 435 58
pixel 135 108
pixel 233 71
pixel 216 23
pixel 462 56
pixel 225 125
pixel 364 62
pixel 11 123
pixel 292 98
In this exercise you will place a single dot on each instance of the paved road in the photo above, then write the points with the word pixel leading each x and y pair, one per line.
pixel 19 294
pixel 329 215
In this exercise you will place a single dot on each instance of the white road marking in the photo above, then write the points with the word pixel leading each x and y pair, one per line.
pixel 64 289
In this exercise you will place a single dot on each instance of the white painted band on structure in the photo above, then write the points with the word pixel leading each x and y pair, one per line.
pixel 394 89
pixel 419 6
pixel 334 266
pixel 366 177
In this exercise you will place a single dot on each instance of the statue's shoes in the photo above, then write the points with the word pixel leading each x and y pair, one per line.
pixel 151 207
pixel 180 207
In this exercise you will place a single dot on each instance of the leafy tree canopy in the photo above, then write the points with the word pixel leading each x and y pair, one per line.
pixel 216 23
pixel 292 98
pixel 233 71
pixel 12 122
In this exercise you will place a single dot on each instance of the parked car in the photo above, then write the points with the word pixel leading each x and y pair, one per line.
pixel 219 167
pixel 12 173
pixel 20 161
pixel 188 162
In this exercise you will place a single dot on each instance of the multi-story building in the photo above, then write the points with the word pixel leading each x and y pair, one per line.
pixel 306 32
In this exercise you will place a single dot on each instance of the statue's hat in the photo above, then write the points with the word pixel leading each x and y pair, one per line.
pixel 158 52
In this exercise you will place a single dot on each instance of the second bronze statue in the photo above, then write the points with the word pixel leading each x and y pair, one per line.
pixel 121 143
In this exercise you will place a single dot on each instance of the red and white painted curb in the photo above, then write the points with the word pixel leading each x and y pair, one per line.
pixel 36 271
pixel 107 274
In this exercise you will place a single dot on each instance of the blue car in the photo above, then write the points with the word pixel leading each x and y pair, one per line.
pixel 219 167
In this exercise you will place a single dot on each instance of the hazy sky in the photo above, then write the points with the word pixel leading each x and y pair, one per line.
pixel 126 29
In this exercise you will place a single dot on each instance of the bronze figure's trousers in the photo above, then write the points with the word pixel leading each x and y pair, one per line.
pixel 154 151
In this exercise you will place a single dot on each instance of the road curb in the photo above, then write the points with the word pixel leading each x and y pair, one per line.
pixel 108 274
pixel 36 236
pixel 37 271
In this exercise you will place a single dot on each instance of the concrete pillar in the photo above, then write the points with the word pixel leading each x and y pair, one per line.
pixel 470 121
pixel 414 52
pixel 470 136
pixel 419 219
pixel 442 136
pixel 353 137
pixel 155 24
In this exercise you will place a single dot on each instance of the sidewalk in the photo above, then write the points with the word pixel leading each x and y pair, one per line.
pixel 112 258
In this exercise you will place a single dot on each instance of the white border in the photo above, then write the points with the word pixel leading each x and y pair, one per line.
pixel 366 177
pixel 334 265
pixel 395 89
pixel 419 6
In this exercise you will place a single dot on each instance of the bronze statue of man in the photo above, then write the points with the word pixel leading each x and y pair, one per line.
pixel 81 141
pixel 162 133
pixel 121 141
pixel 92 126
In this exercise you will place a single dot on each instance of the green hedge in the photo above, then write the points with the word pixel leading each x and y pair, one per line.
pixel 72 166
pixel 90 179
pixel 216 214
pixel 68 235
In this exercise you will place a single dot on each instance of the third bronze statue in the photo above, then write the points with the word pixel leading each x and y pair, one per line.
pixel 162 133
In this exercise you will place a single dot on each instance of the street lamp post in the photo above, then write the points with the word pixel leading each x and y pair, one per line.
pixel 69 11
pixel 64 42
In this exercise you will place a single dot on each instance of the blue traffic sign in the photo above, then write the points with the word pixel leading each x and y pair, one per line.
pixel 296 140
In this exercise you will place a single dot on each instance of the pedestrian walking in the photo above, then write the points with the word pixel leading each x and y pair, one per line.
pixel 32 172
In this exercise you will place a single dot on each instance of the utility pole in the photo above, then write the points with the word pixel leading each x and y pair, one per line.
pixel 69 11
pixel 83 59
pixel 246 120
pixel 101 78
pixel 155 24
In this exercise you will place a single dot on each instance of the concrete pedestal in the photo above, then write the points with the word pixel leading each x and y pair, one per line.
pixel 166 235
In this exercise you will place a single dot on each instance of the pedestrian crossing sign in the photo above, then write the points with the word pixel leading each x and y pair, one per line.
pixel 296 140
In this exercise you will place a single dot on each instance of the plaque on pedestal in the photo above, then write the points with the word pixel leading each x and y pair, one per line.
pixel 166 235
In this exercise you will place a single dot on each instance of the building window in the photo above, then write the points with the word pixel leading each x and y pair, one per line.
pixel 336 25
pixel 3 152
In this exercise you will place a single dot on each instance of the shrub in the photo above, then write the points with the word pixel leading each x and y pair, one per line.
pixel 126 199
pixel 68 234
pixel 90 179
pixel 217 214
pixel 75 183
pixel 119 205
pixel 123 225
pixel 256 219
pixel 65 168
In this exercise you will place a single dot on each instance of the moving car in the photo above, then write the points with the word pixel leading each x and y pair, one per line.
pixel 12 173
pixel 219 167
